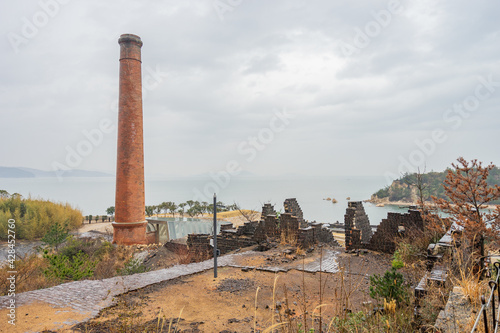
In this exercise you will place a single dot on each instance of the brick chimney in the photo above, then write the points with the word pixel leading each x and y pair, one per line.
pixel 130 220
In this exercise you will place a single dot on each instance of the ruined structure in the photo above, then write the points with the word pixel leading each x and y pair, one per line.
pixel 355 218
pixel 268 209
pixel 130 220
pixel 269 230
pixel 289 228
pixel 292 207
pixel 390 228
pixel 357 227
pixel 199 247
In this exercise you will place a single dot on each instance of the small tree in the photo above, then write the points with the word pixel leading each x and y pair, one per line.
pixel 390 286
pixel 110 210
pixel 469 194
pixel 172 207
pixel 149 210
pixel 56 235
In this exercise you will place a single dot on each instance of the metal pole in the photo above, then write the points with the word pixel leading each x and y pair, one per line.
pixel 215 236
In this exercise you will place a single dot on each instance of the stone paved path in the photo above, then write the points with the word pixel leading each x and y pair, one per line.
pixel 91 296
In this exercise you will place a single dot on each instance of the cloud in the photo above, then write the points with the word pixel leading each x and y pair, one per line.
pixel 222 81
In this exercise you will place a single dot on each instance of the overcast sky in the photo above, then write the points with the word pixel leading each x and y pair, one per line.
pixel 279 87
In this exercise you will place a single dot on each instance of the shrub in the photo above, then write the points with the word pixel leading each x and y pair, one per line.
pixel 56 235
pixel 133 266
pixel 391 286
pixel 63 268
pixel 397 262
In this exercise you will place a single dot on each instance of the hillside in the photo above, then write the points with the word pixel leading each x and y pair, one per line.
pixel 404 190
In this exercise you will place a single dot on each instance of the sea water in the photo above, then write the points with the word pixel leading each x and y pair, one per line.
pixel 93 195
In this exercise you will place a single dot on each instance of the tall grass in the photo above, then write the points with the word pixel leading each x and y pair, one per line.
pixel 34 217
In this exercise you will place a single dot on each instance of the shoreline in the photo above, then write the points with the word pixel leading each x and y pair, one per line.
pixel 408 204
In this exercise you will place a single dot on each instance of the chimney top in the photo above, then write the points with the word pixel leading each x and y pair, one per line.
pixel 130 38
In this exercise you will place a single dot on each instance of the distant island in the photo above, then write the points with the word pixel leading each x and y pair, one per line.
pixel 404 192
pixel 19 172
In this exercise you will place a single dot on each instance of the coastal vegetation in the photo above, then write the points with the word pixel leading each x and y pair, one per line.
pixel 33 217
pixel 191 208
pixel 405 189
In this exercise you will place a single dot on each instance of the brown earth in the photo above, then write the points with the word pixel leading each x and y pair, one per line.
pixel 227 303
pixel 205 304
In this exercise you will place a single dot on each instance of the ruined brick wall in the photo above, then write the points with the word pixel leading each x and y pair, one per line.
pixel 306 238
pixel 292 207
pixel 268 209
pixel 259 235
pixel 176 247
pixel 270 226
pixel 315 233
pixel 383 239
pixel 355 240
pixel 289 228
pixel 323 235
pixel 199 246
pixel 355 217
pixel 247 229
pixel 229 240
pixel 226 226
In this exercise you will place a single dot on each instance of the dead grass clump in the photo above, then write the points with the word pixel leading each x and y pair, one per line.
pixel 465 273
pixel 432 303
pixel 29 275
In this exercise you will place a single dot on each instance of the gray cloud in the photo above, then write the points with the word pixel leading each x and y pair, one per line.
pixel 219 82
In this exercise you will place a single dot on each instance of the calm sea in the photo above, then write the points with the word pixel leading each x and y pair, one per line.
pixel 94 195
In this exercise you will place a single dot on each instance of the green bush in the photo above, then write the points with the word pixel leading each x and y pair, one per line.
pixel 56 235
pixel 133 266
pixel 352 322
pixel 63 268
pixel 397 262
pixel 391 286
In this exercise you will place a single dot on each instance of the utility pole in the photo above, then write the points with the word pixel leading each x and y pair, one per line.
pixel 215 235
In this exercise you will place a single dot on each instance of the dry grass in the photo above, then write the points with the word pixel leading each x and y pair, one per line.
pixel 467 276
pixel 251 214
pixel 30 269
pixel 29 275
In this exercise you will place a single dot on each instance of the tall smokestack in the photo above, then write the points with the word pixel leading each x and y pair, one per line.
pixel 130 220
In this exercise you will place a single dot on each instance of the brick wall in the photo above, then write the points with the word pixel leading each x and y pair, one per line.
pixel 383 239
pixel 268 209
pixel 292 207
pixel 289 228
pixel 199 246
pixel 228 241
pixel 306 237
pixel 176 247
pixel 270 226
pixel 355 217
